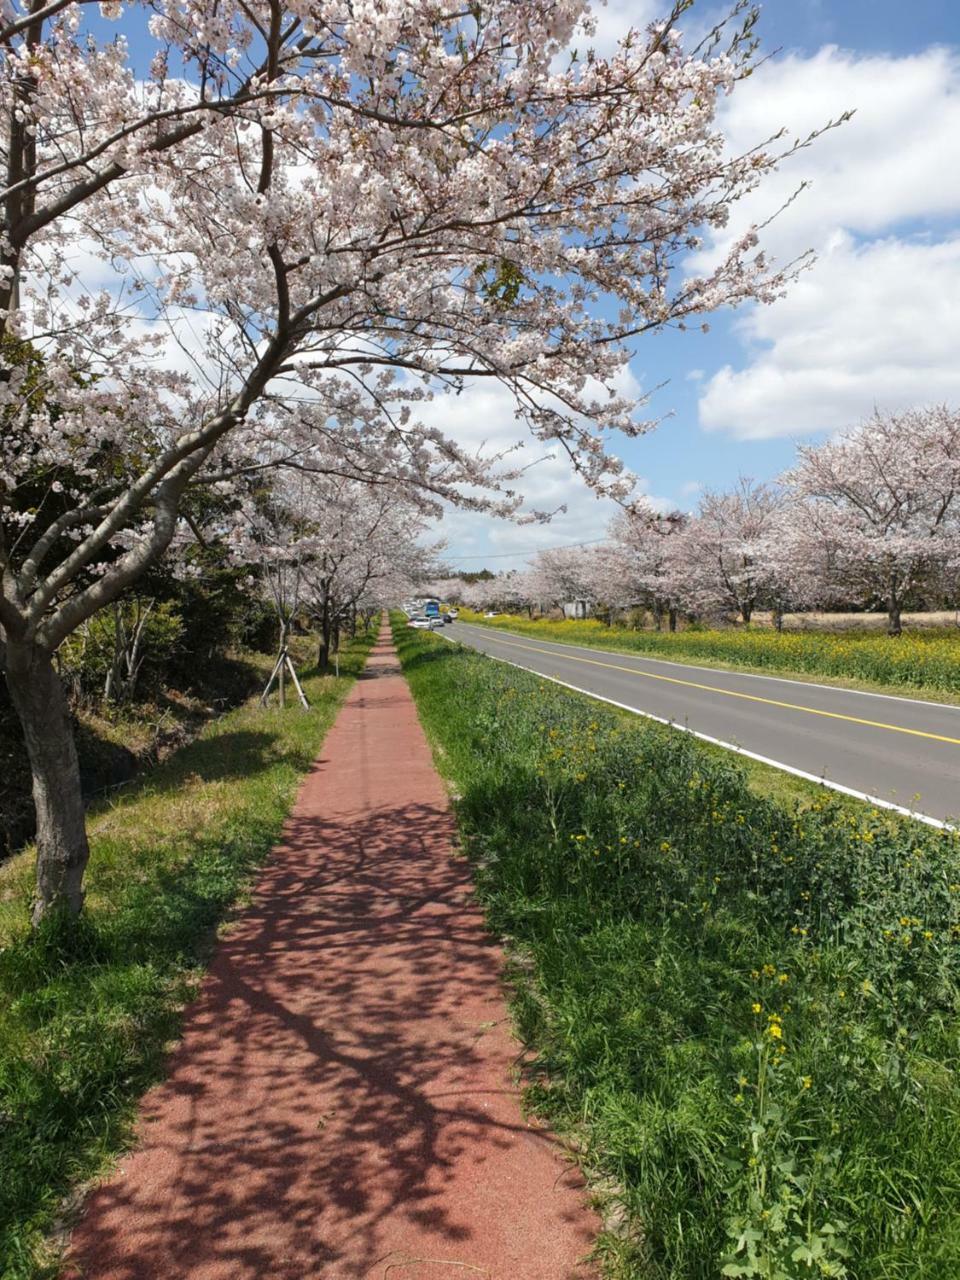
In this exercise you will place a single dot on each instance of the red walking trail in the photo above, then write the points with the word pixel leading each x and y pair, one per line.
pixel 341 1104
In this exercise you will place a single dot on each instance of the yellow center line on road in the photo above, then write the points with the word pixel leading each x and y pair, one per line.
pixel 733 693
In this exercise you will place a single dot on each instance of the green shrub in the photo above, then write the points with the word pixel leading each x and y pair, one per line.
pixel 121 650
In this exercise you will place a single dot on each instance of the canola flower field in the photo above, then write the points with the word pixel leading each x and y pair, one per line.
pixel 927 660
pixel 744 1014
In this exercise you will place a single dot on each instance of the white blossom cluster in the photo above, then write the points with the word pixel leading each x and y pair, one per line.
pixel 308 218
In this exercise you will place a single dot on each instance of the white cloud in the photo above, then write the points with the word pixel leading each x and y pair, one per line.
pixel 874 322
pixel 615 18
pixel 884 167
pixel 482 419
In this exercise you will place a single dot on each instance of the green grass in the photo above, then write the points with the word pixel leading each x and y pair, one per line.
pixel 746 1014
pixel 86 1017
pixel 923 662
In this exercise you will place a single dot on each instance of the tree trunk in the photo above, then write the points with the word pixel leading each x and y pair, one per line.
pixel 672 618
pixel 746 613
pixel 323 653
pixel 658 617
pixel 894 625
pixel 778 617
pixel 62 849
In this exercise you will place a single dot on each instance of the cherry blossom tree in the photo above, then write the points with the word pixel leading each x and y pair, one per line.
pixel 322 544
pixel 721 563
pixel 445 587
pixel 642 557
pixel 368 549
pixel 879 508
pixel 563 574
pixel 302 220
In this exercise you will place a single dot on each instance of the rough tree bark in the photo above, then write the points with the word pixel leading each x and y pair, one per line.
pixel 62 848
pixel 323 649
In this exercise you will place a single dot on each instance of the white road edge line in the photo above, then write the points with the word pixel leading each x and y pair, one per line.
pixel 728 746
pixel 723 671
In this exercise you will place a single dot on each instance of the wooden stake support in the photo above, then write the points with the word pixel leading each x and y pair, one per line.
pixel 284 663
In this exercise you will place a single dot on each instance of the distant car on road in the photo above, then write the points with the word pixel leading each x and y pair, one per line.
pixel 453 614
pixel 420 622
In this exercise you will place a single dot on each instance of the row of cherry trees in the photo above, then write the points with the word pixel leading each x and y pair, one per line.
pixel 868 520
pixel 325 548
pixel 239 234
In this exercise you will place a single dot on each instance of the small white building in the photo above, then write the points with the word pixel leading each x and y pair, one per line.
pixel 577 609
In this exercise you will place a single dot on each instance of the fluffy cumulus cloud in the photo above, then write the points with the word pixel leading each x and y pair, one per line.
pixel 873 322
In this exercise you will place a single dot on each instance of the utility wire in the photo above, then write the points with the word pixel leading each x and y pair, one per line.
pixel 509 555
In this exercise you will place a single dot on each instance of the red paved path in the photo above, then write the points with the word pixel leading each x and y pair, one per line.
pixel 340 1105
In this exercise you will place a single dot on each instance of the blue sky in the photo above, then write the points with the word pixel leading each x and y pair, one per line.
pixel 875 322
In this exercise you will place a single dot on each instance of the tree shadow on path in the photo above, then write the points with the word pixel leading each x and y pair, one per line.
pixel 341 1105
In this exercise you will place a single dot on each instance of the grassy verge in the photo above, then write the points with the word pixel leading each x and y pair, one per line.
pixel 922 662
pixel 747 1015
pixel 85 1021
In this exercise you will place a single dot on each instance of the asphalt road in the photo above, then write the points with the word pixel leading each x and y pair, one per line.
pixel 902 752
